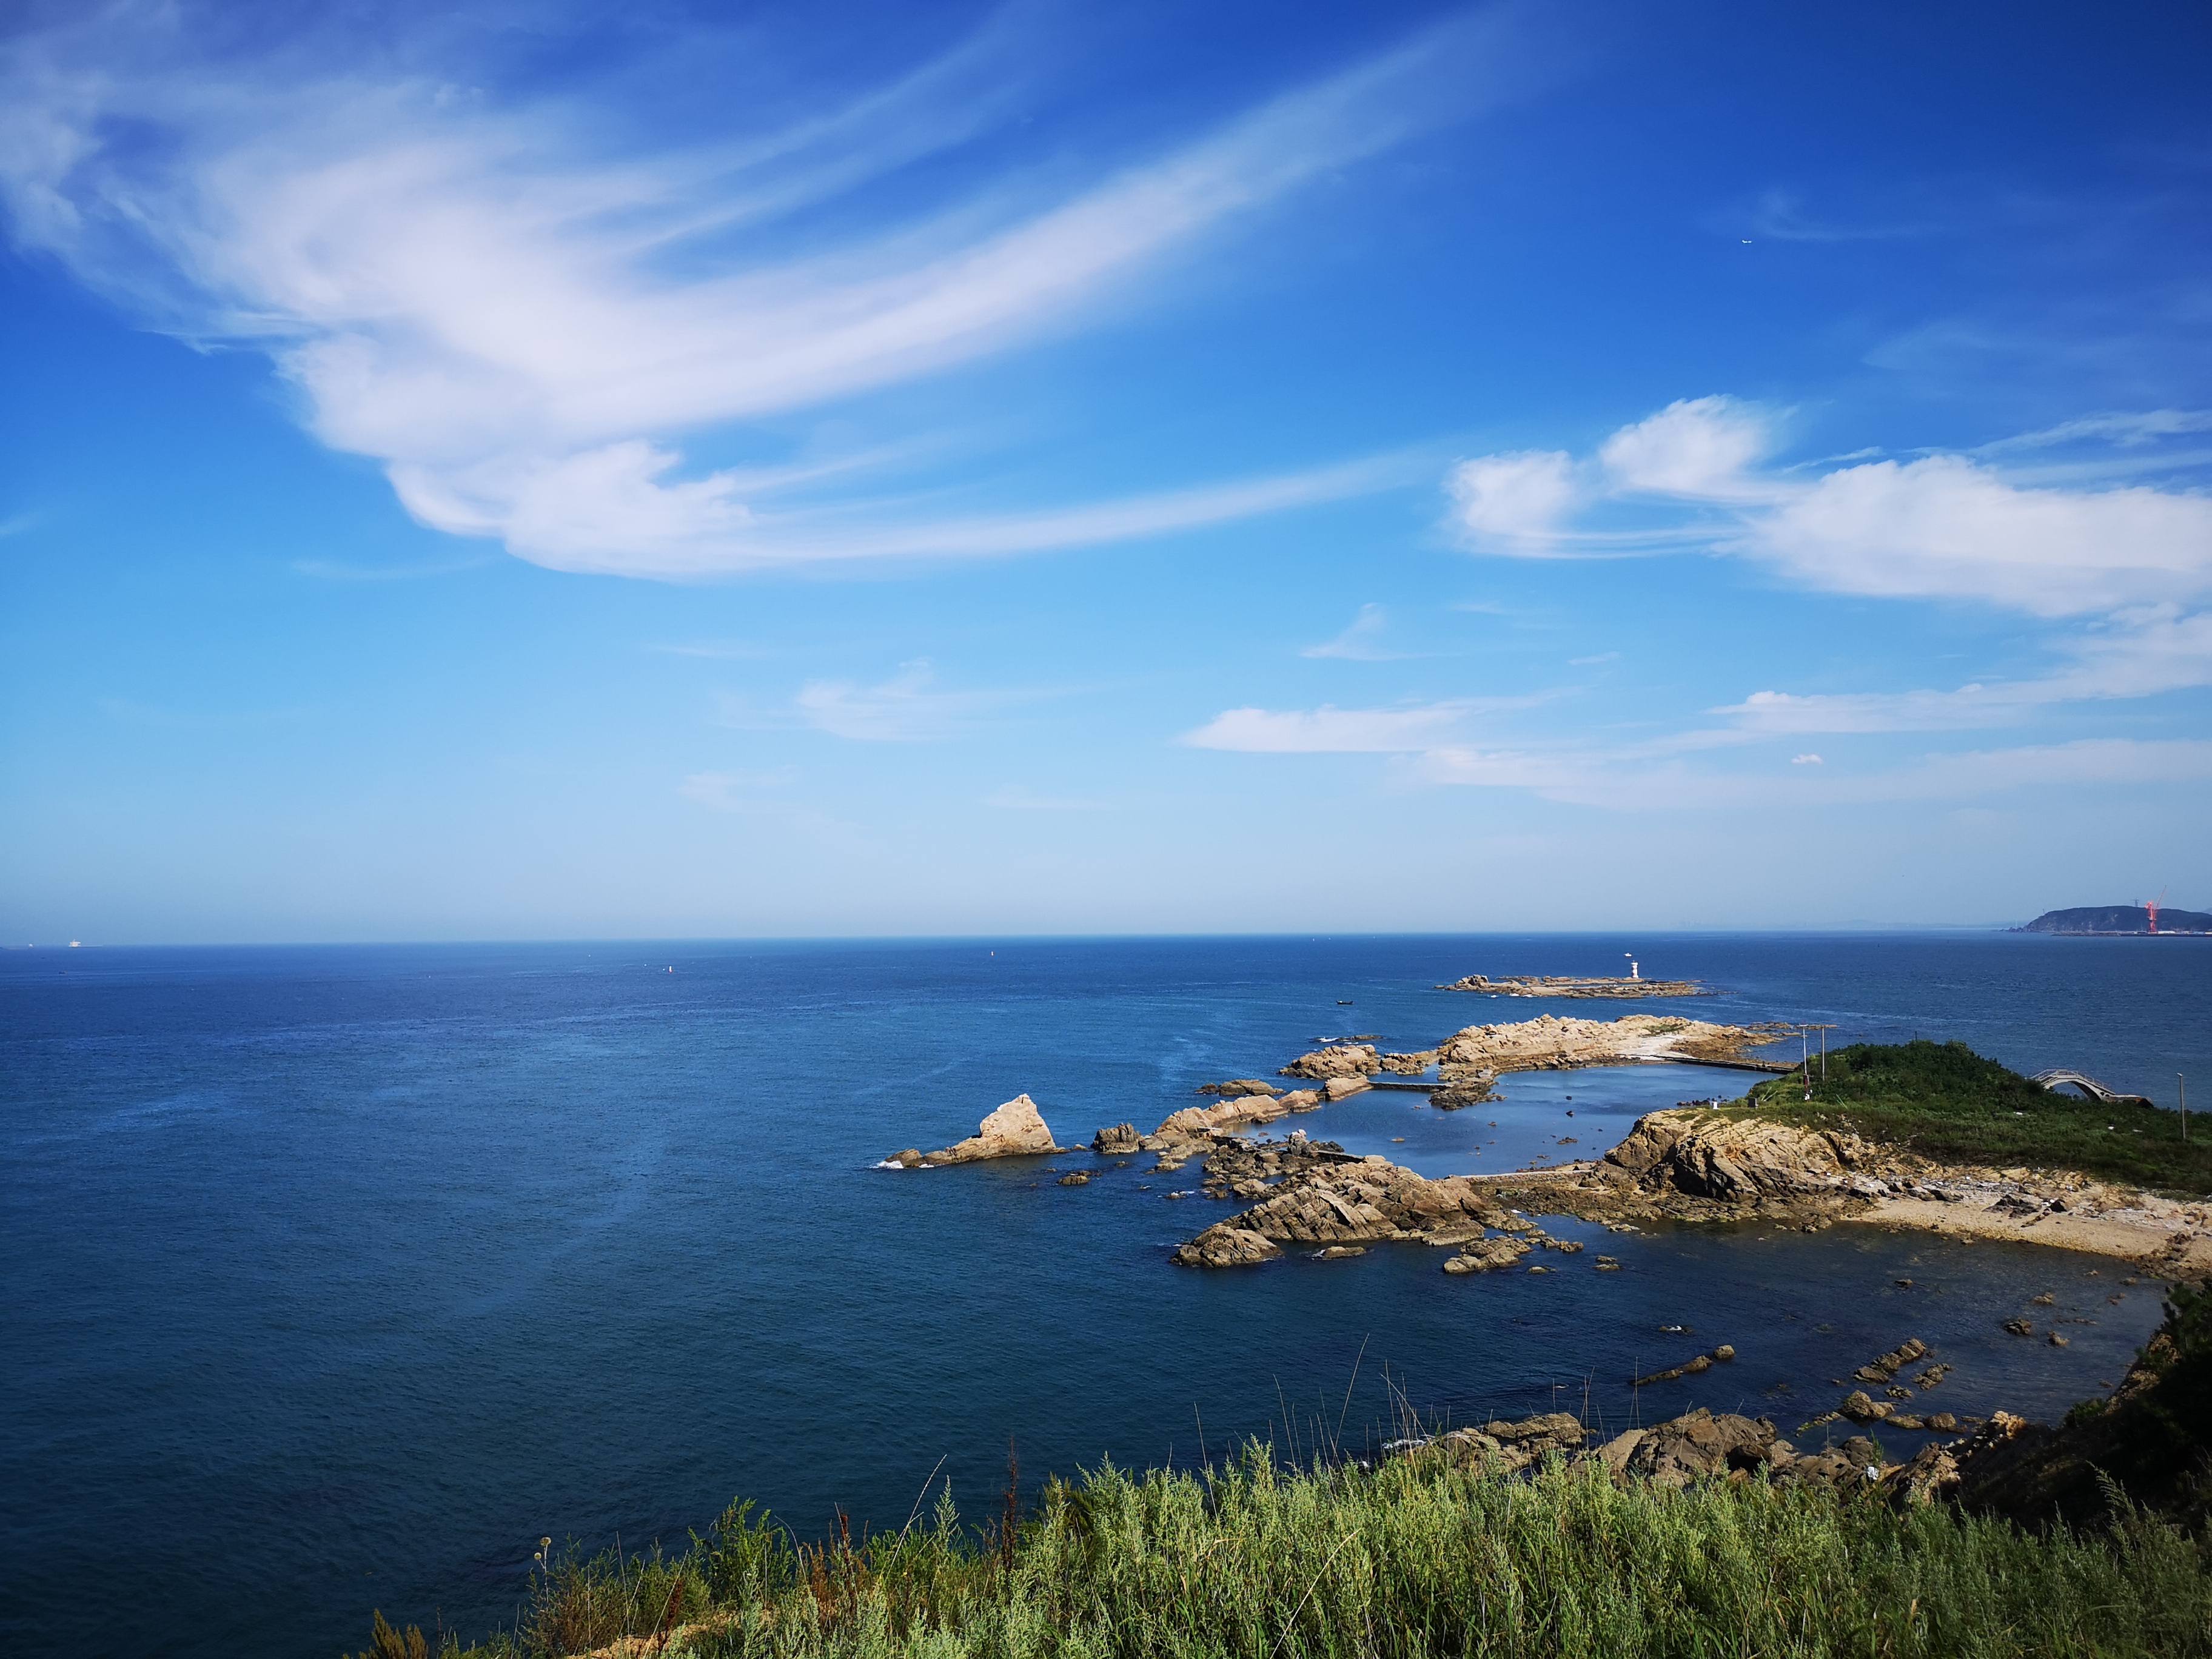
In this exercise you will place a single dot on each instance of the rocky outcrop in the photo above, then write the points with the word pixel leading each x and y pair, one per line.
pixel 1888 1365
pixel 1015 1130
pixel 1338 1059
pixel 1408 1065
pixel 1695 1446
pixel 1703 1362
pixel 1228 1246
pixel 1240 1085
pixel 1549 1043
pixel 1563 985
pixel 1469 1091
pixel 1699 1445
pixel 1342 1088
pixel 1509 1446
pixel 1737 1160
pixel 1487 1255
pixel 1252 1168
pixel 1182 1134
pixel 1324 1197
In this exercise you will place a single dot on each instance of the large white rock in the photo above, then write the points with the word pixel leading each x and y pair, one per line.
pixel 1015 1130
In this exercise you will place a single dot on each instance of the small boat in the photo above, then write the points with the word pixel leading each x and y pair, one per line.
pixel 1344 1002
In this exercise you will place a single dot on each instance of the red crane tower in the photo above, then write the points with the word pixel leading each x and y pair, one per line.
pixel 2152 905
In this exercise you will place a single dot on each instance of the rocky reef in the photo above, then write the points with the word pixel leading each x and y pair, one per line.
pixel 1698 1445
pixel 1313 1193
pixel 1566 985
pixel 1473 1059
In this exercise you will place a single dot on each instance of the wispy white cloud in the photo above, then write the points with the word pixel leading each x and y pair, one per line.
pixel 521 329
pixel 2127 430
pixel 1586 662
pixel 1361 642
pixel 1329 730
pixel 1630 782
pixel 2137 653
pixel 908 707
pixel 1779 216
pixel 1806 760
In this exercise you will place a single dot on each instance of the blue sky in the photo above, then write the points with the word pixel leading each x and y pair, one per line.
pixel 643 471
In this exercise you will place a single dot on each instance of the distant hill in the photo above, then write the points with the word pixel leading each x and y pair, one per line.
pixel 2118 918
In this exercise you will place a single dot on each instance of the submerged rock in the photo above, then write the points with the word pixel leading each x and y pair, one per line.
pixel 1702 1363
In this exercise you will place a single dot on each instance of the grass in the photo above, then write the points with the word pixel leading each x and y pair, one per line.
pixel 1416 1559
pixel 1945 1102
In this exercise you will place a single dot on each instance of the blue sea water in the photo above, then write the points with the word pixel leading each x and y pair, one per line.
pixel 334 1278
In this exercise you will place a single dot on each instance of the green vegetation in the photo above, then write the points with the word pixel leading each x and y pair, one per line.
pixel 1416 1559
pixel 2159 1441
pixel 1945 1102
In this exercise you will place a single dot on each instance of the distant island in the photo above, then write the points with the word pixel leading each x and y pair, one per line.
pixel 1569 985
pixel 2120 919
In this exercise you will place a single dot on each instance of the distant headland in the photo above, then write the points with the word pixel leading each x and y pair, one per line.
pixel 2120 919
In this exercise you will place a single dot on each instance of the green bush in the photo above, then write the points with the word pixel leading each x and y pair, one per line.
pixel 1945 1102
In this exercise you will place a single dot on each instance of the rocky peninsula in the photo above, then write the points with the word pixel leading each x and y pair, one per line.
pixel 1701 1164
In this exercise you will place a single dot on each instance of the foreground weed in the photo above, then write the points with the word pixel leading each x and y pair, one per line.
pixel 1411 1561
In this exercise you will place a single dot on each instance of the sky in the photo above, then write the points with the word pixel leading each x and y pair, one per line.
pixel 543 471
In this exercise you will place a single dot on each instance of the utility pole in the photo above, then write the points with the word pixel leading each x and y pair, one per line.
pixel 2181 1083
pixel 1823 1031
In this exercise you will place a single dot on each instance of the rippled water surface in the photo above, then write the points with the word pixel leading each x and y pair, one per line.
pixel 334 1278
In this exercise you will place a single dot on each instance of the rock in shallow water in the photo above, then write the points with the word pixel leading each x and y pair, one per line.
pixel 1015 1130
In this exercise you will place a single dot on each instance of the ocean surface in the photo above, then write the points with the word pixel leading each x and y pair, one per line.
pixel 334 1278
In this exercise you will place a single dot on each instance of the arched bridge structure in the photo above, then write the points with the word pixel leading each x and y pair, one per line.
pixel 2062 1078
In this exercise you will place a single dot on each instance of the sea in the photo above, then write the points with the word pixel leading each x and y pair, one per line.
pixel 336 1278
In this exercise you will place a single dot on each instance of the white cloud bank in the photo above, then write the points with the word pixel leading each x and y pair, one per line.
pixel 2121 564
pixel 520 329
pixel 1941 527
